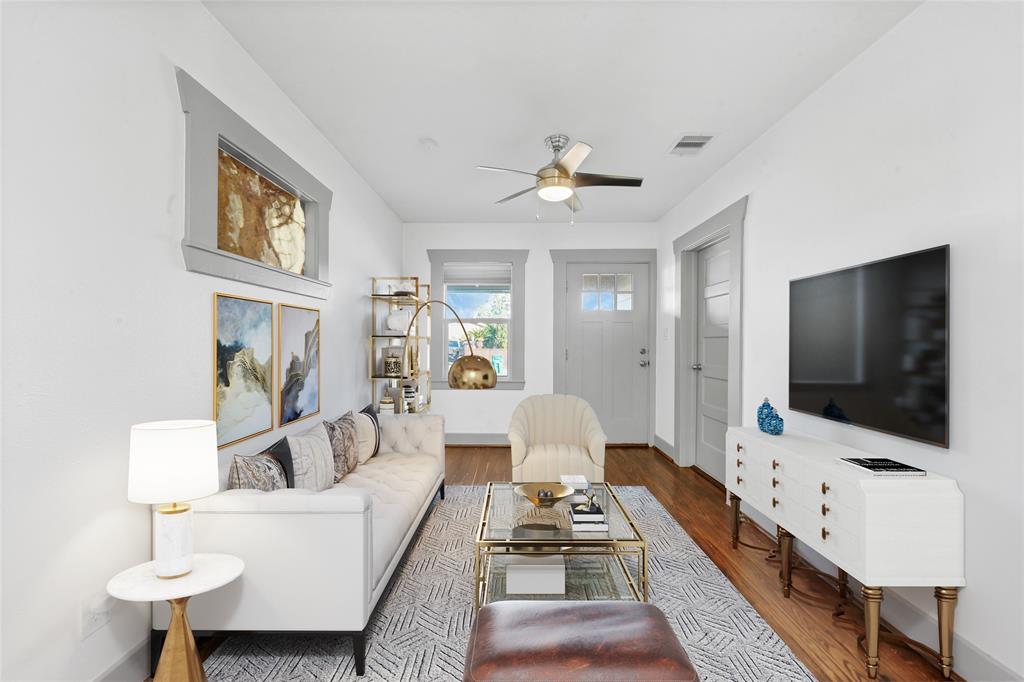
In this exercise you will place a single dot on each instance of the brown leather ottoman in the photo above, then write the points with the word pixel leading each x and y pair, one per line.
pixel 574 640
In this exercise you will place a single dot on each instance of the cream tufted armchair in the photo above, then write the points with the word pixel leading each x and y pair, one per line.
pixel 553 435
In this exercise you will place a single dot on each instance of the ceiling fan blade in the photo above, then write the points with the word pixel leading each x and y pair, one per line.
pixel 510 197
pixel 506 170
pixel 599 179
pixel 572 159
pixel 574 203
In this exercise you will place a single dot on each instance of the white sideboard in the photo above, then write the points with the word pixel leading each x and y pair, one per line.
pixel 885 532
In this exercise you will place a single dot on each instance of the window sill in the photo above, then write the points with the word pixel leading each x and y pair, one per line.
pixel 503 385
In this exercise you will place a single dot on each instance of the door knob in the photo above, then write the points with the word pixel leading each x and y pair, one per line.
pixel 643 351
pixel 697 366
pixel 644 363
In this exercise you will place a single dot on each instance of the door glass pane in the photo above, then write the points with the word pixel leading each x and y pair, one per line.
pixel 589 282
pixel 607 300
pixel 623 301
pixel 607 282
pixel 489 339
pixel 624 282
pixel 590 301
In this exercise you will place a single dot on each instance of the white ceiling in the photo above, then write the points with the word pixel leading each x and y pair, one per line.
pixel 487 81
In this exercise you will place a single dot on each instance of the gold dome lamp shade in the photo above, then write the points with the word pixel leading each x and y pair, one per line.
pixel 469 372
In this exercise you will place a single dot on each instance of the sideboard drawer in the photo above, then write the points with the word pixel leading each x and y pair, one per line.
pixel 831 488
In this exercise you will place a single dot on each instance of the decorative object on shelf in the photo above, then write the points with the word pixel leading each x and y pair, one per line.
pixel 768 419
pixel 469 371
pixel 391 362
pixel 170 463
pixel 387 405
pixel 253 214
pixel 243 349
pixel 298 362
pixel 544 494
pixel 398 320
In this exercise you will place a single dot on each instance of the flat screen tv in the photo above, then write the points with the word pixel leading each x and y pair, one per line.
pixel 869 345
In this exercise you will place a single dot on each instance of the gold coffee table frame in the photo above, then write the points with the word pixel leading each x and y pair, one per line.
pixel 577 545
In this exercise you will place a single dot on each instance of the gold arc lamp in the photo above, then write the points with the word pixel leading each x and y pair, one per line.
pixel 170 463
pixel 470 372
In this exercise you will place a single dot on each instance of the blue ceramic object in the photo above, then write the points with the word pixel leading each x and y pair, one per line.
pixel 768 419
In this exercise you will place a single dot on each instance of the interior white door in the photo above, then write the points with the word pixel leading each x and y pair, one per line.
pixel 712 365
pixel 607 357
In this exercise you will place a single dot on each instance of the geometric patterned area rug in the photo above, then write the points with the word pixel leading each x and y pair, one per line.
pixel 420 628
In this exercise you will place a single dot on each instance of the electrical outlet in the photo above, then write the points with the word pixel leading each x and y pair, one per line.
pixel 95 615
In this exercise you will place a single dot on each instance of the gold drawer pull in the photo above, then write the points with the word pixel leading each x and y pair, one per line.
pixel 738 447
pixel 824 488
pixel 738 480
pixel 775 502
pixel 824 533
pixel 775 464
pixel 824 509
pixel 775 482
pixel 739 462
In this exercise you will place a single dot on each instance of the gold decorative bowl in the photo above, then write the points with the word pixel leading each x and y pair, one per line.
pixel 531 492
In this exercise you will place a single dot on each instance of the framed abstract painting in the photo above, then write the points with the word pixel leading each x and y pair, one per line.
pixel 243 359
pixel 298 358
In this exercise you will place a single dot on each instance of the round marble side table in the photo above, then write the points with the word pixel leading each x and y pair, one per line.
pixel 179 659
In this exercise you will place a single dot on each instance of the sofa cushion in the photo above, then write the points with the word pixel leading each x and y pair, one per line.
pixel 344 444
pixel 256 472
pixel 371 414
pixel 367 436
pixel 312 459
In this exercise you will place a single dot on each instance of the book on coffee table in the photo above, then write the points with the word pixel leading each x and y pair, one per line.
pixel 590 527
pixel 883 466
pixel 586 513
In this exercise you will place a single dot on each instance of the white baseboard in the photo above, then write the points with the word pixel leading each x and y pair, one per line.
pixel 132 667
pixel 665 447
pixel 969 661
pixel 476 439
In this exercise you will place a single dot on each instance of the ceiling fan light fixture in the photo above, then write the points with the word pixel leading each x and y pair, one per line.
pixel 554 189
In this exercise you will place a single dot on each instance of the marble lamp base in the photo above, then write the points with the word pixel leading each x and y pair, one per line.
pixel 172 540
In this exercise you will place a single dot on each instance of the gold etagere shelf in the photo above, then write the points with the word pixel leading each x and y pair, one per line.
pixel 393 301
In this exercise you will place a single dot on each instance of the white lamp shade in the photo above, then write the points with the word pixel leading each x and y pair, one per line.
pixel 172 461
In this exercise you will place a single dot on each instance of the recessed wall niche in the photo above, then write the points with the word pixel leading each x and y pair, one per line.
pixel 252 213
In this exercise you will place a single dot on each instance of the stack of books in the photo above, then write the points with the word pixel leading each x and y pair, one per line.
pixel 588 518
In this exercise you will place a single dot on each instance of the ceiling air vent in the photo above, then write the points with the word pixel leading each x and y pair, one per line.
pixel 690 144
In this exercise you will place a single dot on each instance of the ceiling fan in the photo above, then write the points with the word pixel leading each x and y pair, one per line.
pixel 558 180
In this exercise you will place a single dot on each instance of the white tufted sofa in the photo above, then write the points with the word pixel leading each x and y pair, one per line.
pixel 319 561
pixel 553 435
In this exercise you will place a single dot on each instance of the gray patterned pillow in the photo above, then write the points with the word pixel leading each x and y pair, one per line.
pixel 256 472
pixel 312 459
pixel 344 445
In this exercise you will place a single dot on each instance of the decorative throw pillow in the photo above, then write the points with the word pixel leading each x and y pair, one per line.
pixel 344 444
pixel 369 412
pixel 312 459
pixel 256 472
pixel 366 436
pixel 283 455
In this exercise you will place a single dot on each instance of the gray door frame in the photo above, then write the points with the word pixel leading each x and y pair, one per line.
pixel 561 258
pixel 727 223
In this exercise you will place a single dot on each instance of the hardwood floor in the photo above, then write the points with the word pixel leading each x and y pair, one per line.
pixel 829 650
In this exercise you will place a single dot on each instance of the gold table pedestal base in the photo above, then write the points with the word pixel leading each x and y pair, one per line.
pixel 179 660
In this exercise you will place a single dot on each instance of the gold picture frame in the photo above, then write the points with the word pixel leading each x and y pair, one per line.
pixel 293 395
pixel 239 344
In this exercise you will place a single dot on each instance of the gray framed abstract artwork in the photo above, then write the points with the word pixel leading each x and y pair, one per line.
pixel 243 358
pixel 252 213
pixel 298 358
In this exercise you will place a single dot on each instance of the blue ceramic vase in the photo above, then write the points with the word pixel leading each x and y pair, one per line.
pixel 768 419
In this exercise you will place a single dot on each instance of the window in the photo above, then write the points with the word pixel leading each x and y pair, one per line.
pixel 606 292
pixel 485 289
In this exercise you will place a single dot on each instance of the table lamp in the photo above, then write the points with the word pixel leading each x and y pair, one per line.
pixel 169 463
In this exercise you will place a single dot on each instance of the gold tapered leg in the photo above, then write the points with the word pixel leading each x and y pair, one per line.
pixel 786 552
pixel 734 501
pixel 872 607
pixel 945 599
pixel 179 660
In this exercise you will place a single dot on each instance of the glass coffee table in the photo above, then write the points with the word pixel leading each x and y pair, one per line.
pixel 608 565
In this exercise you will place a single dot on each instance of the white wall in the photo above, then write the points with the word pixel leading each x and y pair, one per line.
pixel 103 326
pixel 916 143
pixel 489 412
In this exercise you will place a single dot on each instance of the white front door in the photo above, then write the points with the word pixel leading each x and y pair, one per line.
pixel 607 356
pixel 712 364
